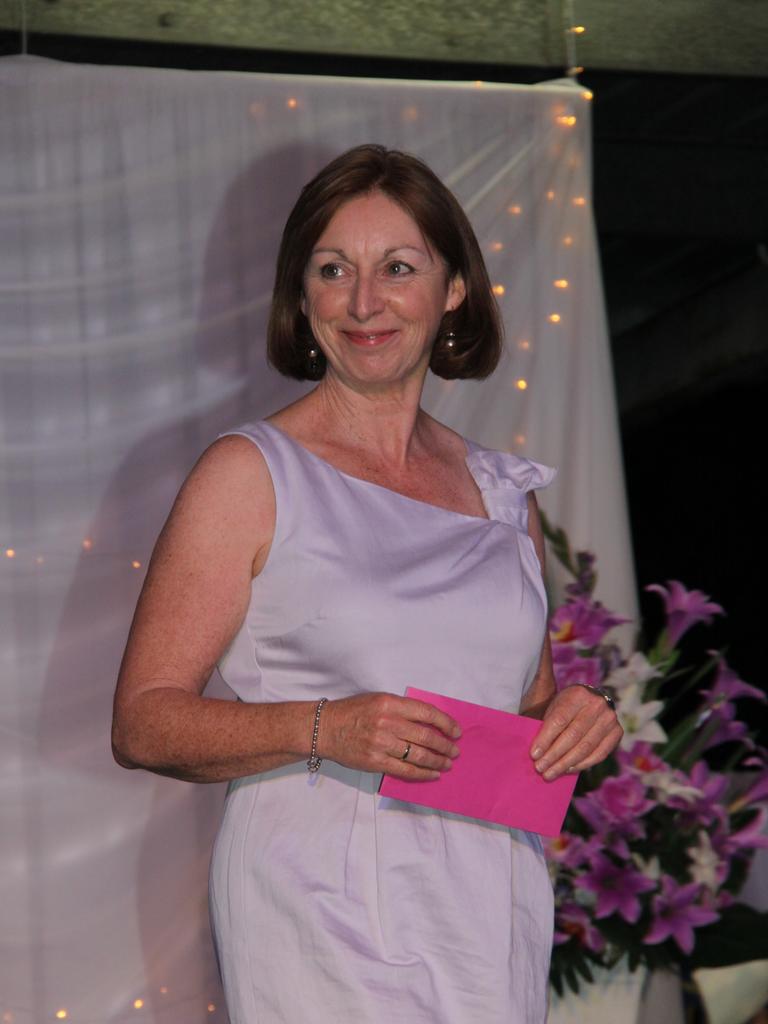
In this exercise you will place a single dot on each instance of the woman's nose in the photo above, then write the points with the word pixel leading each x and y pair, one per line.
pixel 365 297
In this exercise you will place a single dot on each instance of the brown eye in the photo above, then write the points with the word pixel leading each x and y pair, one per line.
pixel 330 271
pixel 398 268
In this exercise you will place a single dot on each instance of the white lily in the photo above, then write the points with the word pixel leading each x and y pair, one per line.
pixel 638 670
pixel 664 785
pixel 651 868
pixel 638 720
pixel 706 862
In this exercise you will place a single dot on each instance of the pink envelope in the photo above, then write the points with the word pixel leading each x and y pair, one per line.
pixel 493 777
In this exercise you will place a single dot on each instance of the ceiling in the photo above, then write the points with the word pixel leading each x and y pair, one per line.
pixel 683 36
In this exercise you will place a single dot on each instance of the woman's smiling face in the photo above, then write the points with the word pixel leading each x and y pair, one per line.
pixel 375 293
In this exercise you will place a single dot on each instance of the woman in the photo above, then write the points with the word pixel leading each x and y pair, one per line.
pixel 326 558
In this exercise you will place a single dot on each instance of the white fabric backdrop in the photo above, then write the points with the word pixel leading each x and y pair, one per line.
pixel 140 212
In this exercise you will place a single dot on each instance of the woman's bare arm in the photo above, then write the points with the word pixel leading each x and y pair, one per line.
pixel 194 599
pixel 579 729
pixel 193 602
pixel 539 694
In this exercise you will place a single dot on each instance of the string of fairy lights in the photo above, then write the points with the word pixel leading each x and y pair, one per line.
pixel 572 30
pixel 564 118
pixel 567 119
pixel 195 1004
pixel 86 545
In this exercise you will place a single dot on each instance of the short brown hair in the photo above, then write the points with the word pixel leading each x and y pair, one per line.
pixel 408 181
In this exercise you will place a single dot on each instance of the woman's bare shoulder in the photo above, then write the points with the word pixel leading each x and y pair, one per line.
pixel 228 494
pixel 232 461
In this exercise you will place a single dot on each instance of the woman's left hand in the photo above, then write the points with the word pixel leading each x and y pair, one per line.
pixel 579 729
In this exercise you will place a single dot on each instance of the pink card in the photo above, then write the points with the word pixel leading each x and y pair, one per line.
pixel 493 777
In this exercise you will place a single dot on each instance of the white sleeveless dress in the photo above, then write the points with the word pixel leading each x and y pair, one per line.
pixel 329 903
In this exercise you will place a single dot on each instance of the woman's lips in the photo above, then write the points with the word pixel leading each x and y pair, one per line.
pixel 368 339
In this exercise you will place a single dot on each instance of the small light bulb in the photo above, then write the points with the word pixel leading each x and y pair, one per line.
pixel 578 30
pixel 498 289
pixel 576 69
pixel 524 344
pixel 587 94
pixel 138 1003
pixel 519 439
pixel 87 544
pixel 410 113
pixel 579 201
pixel 292 103
pixel 521 384
pixel 10 553
pixel 566 119
pixel 554 318
pixel 479 83
pixel 163 990
pixel 515 209
pixel 497 246
pixel 61 1015
pixel 550 194
pixel 211 1007
pixel 568 240
pixel 560 283
pixel 135 564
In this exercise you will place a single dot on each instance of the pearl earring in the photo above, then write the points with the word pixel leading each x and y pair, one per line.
pixel 313 354
pixel 450 340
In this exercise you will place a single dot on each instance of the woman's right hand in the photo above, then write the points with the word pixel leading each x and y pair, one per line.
pixel 371 731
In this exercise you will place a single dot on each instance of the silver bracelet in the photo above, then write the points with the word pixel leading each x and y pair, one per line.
pixel 602 693
pixel 314 761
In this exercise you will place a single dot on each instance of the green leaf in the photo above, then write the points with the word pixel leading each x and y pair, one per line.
pixel 584 971
pixel 693 680
pixel 558 540
pixel 740 935
pixel 684 732
pixel 571 978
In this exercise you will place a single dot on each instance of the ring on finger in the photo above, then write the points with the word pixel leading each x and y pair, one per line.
pixel 407 752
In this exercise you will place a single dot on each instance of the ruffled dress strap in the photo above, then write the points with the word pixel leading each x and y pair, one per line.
pixel 504 481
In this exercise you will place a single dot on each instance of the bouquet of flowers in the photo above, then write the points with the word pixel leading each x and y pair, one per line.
pixel 656 844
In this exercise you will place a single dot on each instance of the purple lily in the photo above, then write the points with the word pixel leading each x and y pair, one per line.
pixel 640 759
pixel 727 687
pixel 617 888
pixel 677 913
pixel 570 850
pixel 582 621
pixel 684 608
pixel 757 792
pixel 616 804
pixel 573 922
pixel 570 667
pixel 751 836
pixel 586 577
pixel 729 728
pixel 706 808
